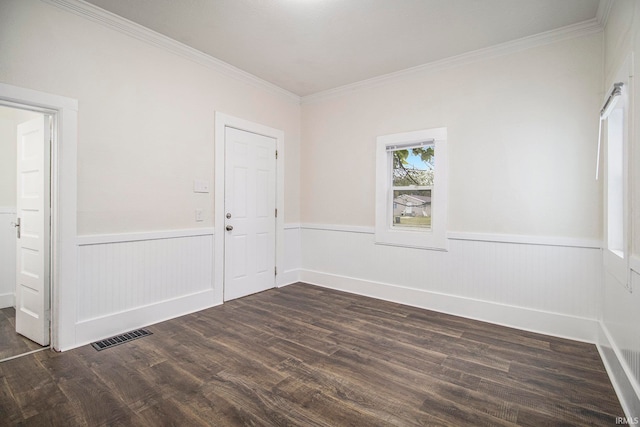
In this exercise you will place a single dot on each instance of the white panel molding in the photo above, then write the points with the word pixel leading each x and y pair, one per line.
pixel 554 324
pixel 116 277
pixel 620 374
pixel 98 239
pixel 491 281
pixel 292 256
pixel 476 237
pixel 527 240
pixel 137 31
pixel 127 284
pixel 336 227
pixel 580 29
pixel 113 324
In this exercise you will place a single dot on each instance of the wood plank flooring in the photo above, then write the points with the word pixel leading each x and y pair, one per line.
pixel 11 343
pixel 308 356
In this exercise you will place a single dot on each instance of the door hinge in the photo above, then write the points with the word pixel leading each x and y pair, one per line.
pixel 276 154
pixel 275 271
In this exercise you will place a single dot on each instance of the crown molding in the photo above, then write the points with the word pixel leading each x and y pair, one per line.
pixel 584 28
pixel 91 12
pixel 602 15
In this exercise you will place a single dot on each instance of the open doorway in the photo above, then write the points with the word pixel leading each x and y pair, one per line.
pixel 25 256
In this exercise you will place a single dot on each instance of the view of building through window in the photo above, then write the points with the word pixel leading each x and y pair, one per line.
pixel 413 172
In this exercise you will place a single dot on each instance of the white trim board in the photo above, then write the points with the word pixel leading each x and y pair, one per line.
pixel 114 324
pixel 97 239
pixel 125 26
pixel 7 300
pixel 627 390
pixel 553 324
pixel 602 15
pixel 585 28
pixel 476 237
pixel 8 210
pixel 137 31
pixel 288 277
pixel 527 240
pixel 337 227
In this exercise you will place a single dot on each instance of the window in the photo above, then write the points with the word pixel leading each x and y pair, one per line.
pixel 615 117
pixel 411 185
pixel 411 189
pixel 615 180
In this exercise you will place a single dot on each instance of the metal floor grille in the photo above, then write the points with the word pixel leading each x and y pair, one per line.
pixel 120 339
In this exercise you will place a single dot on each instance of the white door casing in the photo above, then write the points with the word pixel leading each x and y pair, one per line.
pixel 32 257
pixel 250 213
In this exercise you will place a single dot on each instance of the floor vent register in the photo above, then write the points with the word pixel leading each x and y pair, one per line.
pixel 120 339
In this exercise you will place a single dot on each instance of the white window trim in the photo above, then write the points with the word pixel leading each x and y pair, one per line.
pixel 385 234
pixel 616 260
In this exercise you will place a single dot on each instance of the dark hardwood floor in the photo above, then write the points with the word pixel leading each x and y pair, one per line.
pixel 11 343
pixel 303 355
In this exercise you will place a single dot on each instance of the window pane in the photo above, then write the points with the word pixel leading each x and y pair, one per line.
pixel 615 182
pixel 412 208
pixel 413 166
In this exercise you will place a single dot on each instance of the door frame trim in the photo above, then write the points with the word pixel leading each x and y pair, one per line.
pixel 63 178
pixel 222 121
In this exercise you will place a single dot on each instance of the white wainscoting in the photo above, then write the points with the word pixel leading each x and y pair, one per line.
pixel 7 257
pixel 619 339
pixel 127 281
pixel 292 256
pixel 538 287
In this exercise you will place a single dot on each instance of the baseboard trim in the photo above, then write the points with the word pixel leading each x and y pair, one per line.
pixel 553 324
pixel 7 300
pixel 117 323
pixel 627 390
pixel 289 277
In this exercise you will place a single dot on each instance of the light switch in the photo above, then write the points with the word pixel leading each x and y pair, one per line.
pixel 199 215
pixel 200 186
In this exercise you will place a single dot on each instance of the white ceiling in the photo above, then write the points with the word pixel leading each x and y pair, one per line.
pixel 307 46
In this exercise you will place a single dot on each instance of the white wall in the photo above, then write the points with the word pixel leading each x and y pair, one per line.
pixel 146 117
pixel 521 141
pixel 524 208
pixel 620 314
pixel 145 132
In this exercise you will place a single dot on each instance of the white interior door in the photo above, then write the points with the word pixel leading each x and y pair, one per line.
pixel 32 281
pixel 250 217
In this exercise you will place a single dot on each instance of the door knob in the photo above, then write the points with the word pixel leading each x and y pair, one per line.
pixel 229 227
